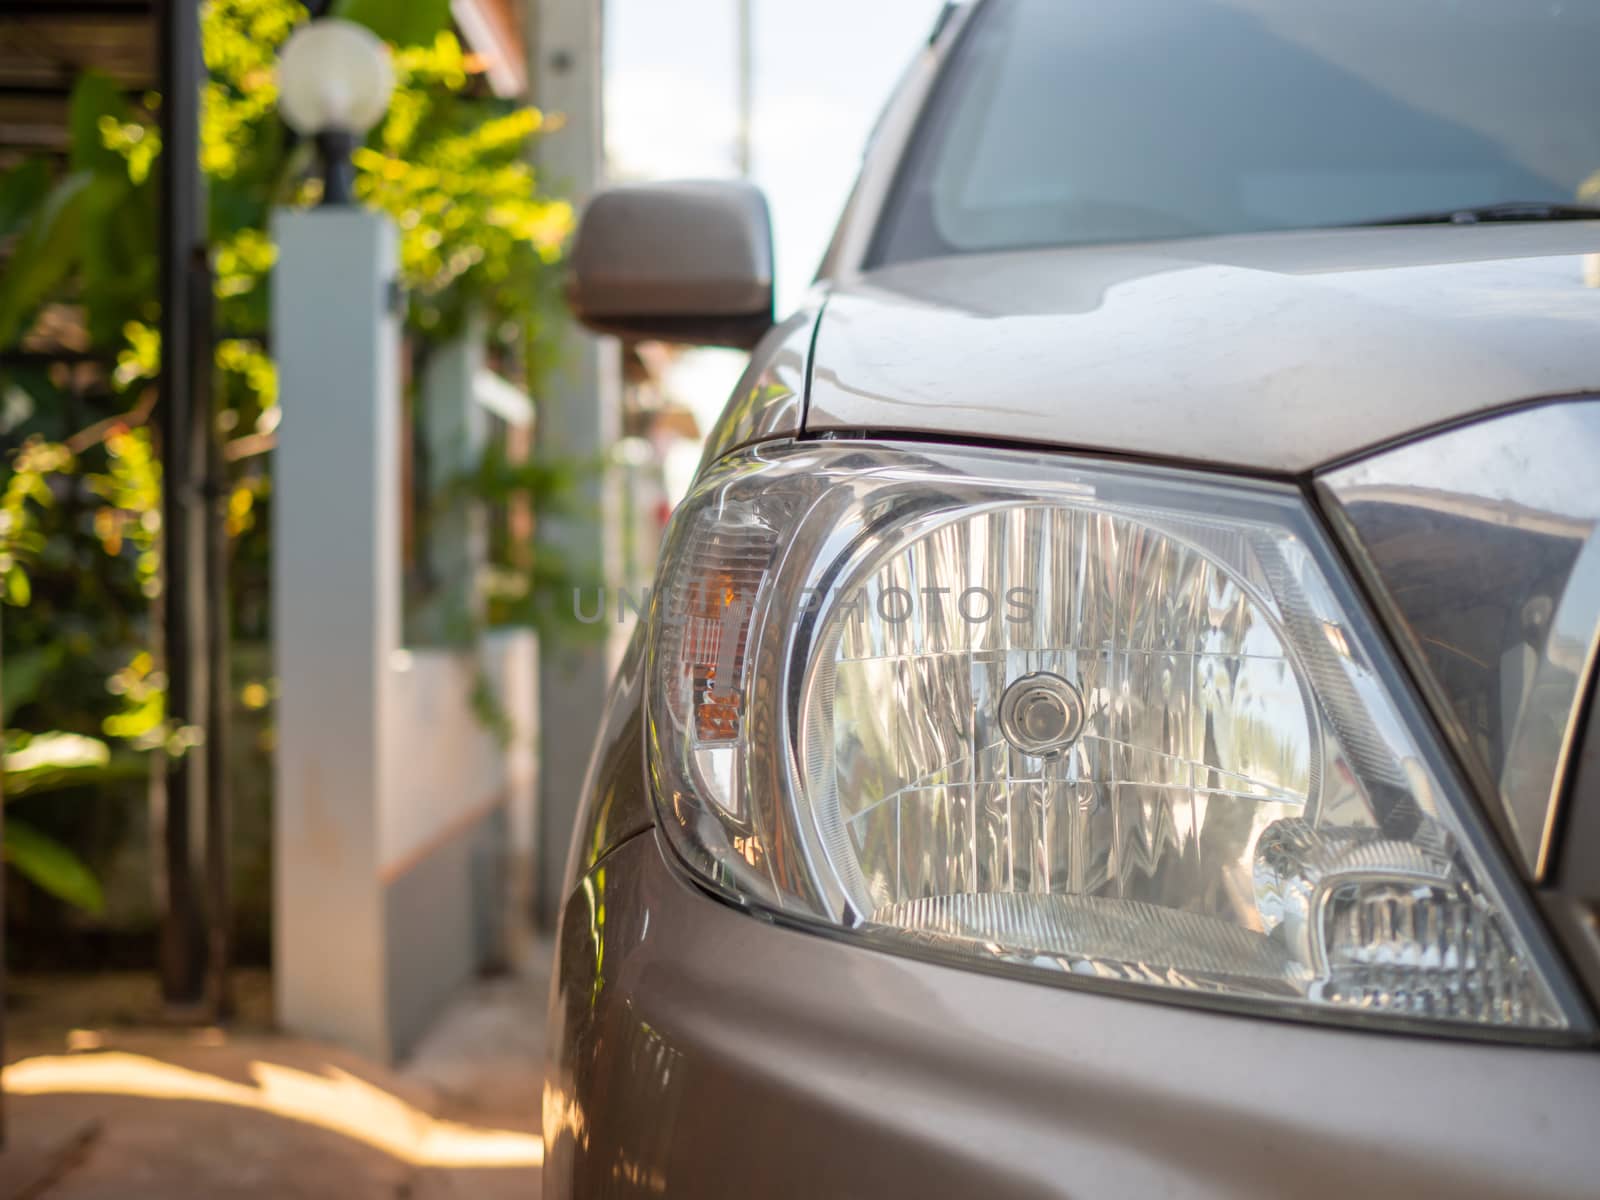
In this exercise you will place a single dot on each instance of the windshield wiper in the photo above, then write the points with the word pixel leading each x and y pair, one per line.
pixel 1515 210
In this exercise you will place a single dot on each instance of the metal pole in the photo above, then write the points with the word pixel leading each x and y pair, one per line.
pixel 219 694
pixel 747 85
pixel 185 420
pixel 2 904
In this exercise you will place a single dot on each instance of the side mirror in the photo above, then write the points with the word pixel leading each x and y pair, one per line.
pixel 675 262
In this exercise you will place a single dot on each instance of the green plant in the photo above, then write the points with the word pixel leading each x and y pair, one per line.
pixel 39 763
pixel 80 555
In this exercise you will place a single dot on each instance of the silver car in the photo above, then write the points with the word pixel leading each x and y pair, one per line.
pixel 1113 714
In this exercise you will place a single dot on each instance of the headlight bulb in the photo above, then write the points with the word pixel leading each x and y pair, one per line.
pixel 1041 714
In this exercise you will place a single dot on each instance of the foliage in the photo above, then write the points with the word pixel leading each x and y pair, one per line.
pixel 51 760
pixel 413 23
pixel 48 762
pixel 26 492
pixel 80 516
pixel 50 865
pixel 474 231
pixel 520 589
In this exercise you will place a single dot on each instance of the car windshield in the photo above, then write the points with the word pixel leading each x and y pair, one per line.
pixel 1081 121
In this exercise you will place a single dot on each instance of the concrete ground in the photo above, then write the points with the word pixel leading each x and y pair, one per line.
pixel 103 1102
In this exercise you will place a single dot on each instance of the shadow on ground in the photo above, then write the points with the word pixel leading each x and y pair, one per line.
pixel 105 1109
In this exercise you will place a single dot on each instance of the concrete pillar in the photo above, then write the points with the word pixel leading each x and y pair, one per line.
pixel 336 615
pixel 455 429
pixel 395 803
pixel 579 417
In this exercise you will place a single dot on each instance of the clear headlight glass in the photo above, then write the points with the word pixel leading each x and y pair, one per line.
pixel 1120 723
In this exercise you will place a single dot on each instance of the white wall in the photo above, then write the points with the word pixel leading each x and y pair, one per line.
pixel 443 765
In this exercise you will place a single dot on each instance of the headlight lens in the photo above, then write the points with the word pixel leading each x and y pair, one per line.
pixel 1120 723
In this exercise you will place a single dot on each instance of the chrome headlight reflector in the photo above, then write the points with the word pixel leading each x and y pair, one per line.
pixel 1121 723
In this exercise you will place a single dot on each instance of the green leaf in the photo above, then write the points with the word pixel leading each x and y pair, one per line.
pixel 412 23
pixel 23 674
pixel 119 255
pixel 50 865
pixel 95 96
pixel 21 192
pixel 50 762
pixel 122 768
pixel 45 255
pixel 56 751
pixel 18 590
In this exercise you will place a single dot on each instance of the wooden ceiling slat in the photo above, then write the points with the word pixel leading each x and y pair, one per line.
pixel 46 44
pixel 82 10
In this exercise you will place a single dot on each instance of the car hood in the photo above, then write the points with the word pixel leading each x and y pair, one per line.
pixel 1271 352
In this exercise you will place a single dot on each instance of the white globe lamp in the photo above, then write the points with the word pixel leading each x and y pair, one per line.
pixel 334 83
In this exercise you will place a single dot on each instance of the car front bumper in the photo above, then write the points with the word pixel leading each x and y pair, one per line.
pixel 702 1051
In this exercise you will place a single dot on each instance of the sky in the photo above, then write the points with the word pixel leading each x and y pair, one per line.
pixel 822 72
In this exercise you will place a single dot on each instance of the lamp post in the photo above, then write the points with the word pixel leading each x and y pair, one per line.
pixel 747 72
pixel 336 604
pixel 334 84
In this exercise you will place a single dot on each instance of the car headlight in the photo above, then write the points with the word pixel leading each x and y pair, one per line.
pixel 1125 724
